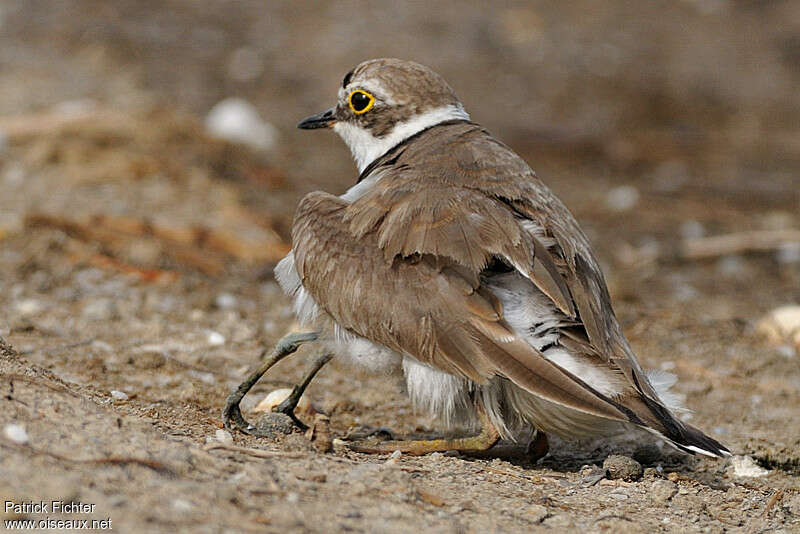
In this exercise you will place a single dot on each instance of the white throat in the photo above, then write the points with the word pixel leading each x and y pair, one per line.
pixel 366 148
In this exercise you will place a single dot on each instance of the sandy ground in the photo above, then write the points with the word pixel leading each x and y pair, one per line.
pixel 136 256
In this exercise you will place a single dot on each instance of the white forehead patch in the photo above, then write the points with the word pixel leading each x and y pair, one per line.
pixel 372 86
pixel 366 148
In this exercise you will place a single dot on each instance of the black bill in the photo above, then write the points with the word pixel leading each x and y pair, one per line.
pixel 320 120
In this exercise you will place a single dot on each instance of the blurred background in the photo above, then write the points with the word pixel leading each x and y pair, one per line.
pixel 150 167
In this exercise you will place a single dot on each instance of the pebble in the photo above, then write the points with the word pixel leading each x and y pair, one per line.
pixel 622 467
pixel 119 395
pixel 102 346
pixel 28 307
pixel 692 229
pixel 237 120
pixel 223 436
pixel 225 301
pixel 13 174
pixel 535 512
pixel 781 325
pixel 100 310
pixel 731 265
pixel 215 339
pixel 744 466
pixel 788 253
pixel 182 505
pixel 393 458
pixel 622 198
pixel 16 433
pixel 662 491
pixel 272 424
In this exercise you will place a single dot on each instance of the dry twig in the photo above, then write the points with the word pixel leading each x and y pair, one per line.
pixel 701 248
pixel 772 502
pixel 109 460
pixel 258 453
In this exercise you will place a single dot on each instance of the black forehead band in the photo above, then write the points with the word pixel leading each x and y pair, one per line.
pixel 347 78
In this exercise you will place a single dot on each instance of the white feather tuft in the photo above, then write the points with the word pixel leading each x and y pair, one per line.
pixel 662 381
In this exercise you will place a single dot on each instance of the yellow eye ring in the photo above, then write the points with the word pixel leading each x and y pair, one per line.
pixel 360 101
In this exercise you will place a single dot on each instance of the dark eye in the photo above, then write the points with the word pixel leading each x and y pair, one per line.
pixel 360 101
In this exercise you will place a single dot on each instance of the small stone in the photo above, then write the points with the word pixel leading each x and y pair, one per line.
pixel 28 307
pixel 225 301
pixel 273 424
pixel 102 346
pixel 622 198
pixel 319 433
pixel 223 436
pixel 100 310
pixel 535 512
pixel 592 474
pixel 119 395
pixel 215 339
pixel 651 472
pixel 731 265
pixel 181 505
pixel 744 466
pixel 781 326
pixel 238 121
pixel 393 458
pixel 662 491
pixel 292 498
pixel 16 433
pixel 788 253
pixel 622 467
pixel 692 229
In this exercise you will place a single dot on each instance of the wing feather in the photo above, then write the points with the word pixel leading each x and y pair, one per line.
pixel 436 314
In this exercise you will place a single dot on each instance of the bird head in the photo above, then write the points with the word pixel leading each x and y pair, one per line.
pixel 383 102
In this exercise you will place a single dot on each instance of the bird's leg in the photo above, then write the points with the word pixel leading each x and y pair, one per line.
pixel 290 403
pixel 231 414
pixel 482 441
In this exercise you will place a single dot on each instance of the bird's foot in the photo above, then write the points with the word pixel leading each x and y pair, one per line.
pixel 232 415
pixel 289 404
pixel 482 441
